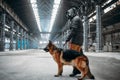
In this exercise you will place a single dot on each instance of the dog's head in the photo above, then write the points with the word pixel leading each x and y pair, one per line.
pixel 49 47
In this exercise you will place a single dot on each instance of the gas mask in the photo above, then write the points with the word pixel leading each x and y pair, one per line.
pixel 71 13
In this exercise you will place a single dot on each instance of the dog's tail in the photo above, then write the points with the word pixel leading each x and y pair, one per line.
pixel 89 74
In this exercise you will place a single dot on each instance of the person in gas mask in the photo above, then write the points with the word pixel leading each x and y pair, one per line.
pixel 75 37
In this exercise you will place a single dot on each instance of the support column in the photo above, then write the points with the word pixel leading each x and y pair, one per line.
pixel 67 45
pixel 11 35
pixel 17 38
pixel 21 39
pixel 27 46
pixel 60 41
pixel 24 40
pixel 2 36
pixel 98 29
pixel 85 25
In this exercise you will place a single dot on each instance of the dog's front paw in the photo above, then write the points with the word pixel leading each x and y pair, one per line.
pixel 56 75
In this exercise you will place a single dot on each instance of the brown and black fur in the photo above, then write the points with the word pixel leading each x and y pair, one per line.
pixel 69 57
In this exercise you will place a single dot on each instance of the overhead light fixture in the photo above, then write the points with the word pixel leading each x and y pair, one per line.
pixel 54 13
pixel 35 10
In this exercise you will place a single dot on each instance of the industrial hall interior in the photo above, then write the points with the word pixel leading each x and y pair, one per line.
pixel 29 27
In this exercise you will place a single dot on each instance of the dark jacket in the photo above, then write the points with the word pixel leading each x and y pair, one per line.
pixel 76 31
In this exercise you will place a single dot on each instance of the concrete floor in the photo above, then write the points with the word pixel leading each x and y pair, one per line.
pixel 38 65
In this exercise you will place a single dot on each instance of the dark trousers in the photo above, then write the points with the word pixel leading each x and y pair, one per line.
pixel 76 71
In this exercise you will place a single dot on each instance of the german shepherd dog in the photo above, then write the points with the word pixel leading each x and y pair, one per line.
pixel 69 57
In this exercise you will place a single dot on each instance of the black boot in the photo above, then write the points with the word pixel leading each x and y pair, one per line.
pixel 75 72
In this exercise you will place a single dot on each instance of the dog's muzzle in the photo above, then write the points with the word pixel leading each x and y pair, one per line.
pixel 45 49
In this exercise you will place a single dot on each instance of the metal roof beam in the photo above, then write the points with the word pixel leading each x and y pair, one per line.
pixel 12 14
pixel 104 7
